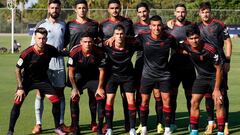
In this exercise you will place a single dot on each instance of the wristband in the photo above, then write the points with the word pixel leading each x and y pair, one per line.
pixel 19 88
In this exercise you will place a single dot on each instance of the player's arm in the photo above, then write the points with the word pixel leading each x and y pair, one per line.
pixel 20 91
pixel 216 92
pixel 71 73
pixel 100 89
pixel 228 53
pixel 170 23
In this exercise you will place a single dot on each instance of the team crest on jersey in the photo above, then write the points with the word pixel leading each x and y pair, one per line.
pixel 70 61
pixel 20 62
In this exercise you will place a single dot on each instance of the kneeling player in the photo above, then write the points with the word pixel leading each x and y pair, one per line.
pixel 209 73
pixel 86 70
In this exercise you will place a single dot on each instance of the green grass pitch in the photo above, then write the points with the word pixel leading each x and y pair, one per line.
pixel 26 120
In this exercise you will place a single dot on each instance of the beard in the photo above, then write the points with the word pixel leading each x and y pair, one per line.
pixel 54 15
pixel 180 19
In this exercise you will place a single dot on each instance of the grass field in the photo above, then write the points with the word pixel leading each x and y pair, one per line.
pixel 26 120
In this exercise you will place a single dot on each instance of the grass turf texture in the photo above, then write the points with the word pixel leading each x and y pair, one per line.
pixel 26 120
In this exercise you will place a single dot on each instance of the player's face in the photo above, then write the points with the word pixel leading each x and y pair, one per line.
pixel 180 14
pixel 194 40
pixel 40 40
pixel 54 10
pixel 81 10
pixel 156 27
pixel 205 14
pixel 114 9
pixel 143 13
pixel 86 43
pixel 119 36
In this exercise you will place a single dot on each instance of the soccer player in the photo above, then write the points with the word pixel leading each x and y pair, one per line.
pixel 86 70
pixel 140 27
pixel 156 46
pixel 56 71
pixel 182 69
pixel 215 32
pixel 207 62
pixel 74 30
pixel 106 31
pixel 120 73
pixel 35 61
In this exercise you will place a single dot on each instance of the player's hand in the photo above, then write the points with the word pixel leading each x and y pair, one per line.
pixel 226 67
pixel 20 94
pixel 109 42
pixel 75 94
pixel 217 96
pixel 170 24
pixel 100 92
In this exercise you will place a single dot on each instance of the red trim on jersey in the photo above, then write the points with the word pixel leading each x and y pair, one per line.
pixel 220 22
pixel 139 23
pixel 75 50
pixel 26 52
pixel 38 53
pixel 105 20
pixel 210 48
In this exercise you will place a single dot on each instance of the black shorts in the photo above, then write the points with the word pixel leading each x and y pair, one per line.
pixel 125 86
pixel 91 85
pixel 187 78
pixel 204 86
pixel 138 73
pixel 44 87
pixel 147 85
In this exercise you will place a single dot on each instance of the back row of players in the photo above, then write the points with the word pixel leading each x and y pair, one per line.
pixel 100 60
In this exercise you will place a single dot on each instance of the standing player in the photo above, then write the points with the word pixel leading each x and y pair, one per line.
pixel 182 69
pixel 56 72
pixel 86 70
pixel 157 45
pixel 35 61
pixel 120 73
pixel 215 32
pixel 139 28
pixel 207 62
pixel 106 28
pixel 74 30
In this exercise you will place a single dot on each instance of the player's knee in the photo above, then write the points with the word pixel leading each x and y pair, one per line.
pixel 54 99
pixel 194 104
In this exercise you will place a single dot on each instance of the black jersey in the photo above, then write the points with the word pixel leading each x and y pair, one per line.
pixel 119 61
pixel 107 26
pixel 35 65
pixel 140 29
pixel 86 66
pixel 74 30
pixel 180 61
pixel 215 33
pixel 204 59
pixel 156 55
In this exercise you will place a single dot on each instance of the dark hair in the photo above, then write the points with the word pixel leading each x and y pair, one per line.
pixel 142 4
pixel 192 30
pixel 205 5
pixel 119 27
pixel 41 30
pixel 114 1
pixel 156 18
pixel 180 5
pixel 86 34
pixel 80 2
pixel 54 1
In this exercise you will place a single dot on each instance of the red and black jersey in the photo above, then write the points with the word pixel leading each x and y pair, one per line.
pixel 107 26
pixel 181 61
pixel 156 55
pixel 74 30
pixel 140 29
pixel 35 65
pixel 87 66
pixel 119 62
pixel 214 33
pixel 204 59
